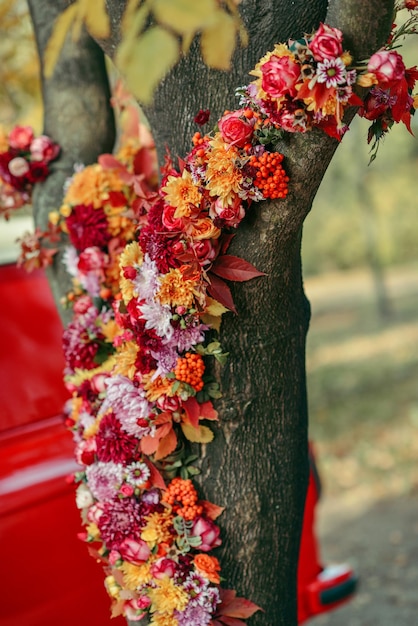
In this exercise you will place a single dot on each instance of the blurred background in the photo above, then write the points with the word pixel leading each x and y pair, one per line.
pixel 360 257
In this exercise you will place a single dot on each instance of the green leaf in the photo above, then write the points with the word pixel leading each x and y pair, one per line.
pixel 147 61
pixel 185 17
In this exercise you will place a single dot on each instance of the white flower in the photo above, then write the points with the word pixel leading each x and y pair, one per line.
pixel 83 497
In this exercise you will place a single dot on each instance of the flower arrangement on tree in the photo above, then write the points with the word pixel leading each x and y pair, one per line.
pixel 149 270
pixel 24 161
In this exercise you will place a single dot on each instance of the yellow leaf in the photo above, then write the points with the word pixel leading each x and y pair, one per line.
pixel 185 16
pixel 215 308
pixel 131 31
pixel 56 41
pixel 96 18
pixel 5 7
pixel 149 59
pixel 213 322
pixel 218 41
pixel 201 434
pixel 134 18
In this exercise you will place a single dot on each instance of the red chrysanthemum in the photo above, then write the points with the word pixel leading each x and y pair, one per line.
pixel 114 444
pixel 87 227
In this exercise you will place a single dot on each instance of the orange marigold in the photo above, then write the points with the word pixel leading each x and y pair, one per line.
pixel 224 177
pixel 176 290
pixel 183 194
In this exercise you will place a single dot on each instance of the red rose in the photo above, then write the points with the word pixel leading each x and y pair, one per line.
pixel 230 215
pixel 235 128
pixel 387 66
pixel 326 43
pixel 280 76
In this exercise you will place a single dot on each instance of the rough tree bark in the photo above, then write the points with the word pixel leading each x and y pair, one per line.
pixel 257 467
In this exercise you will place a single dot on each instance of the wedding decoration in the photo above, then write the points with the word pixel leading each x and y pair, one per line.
pixel 150 267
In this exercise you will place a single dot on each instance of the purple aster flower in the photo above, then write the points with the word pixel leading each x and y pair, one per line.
pixel 193 616
pixel 331 72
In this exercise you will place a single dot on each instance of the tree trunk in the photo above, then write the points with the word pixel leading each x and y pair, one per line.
pixel 257 466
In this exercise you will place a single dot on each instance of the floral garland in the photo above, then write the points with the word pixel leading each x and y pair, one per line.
pixel 149 269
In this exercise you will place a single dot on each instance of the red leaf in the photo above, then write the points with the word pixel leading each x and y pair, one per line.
pixel 207 411
pixel 155 477
pixel 231 606
pixel 192 409
pixel 231 621
pixel 108 162
pixel 226 241
pixel 221 292
pixel 212 511
pixel 149 445
pixel 166 446
pixel 233 268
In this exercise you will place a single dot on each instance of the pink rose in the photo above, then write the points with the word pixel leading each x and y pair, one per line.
pixel 126 490
pixel 82 304
pixel 235 128
pixel 20 137
pixel 135 551
pixel 43 148
pixel 92 259
pixel 209 533
pixel 114 557
pixel 98 383
pixel 230 215
pixel 163 567
pixel 280 76
pixel 387 66
pixel 18 167
pixel 326 43
pixel 168 404
pixel 134 609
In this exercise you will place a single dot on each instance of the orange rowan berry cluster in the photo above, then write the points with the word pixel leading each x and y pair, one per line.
pixel 190 369
pixel 199 140
pixel 182 497
pixel 271 178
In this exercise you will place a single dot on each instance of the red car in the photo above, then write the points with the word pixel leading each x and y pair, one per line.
pixel 47 576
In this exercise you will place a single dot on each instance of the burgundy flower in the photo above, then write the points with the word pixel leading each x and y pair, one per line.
pixel 202 117
pixel 87 227
pixel 113 443
pixel 160 248
pixel 119 520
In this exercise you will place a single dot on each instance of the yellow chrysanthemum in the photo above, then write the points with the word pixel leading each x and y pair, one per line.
pixel 80 376
pixel 155 388
pixel 131 257
pixel 183 194
pixel 91 186
pixel 110 330
pixel 167 597
pixel 125 359
pixel 224 178
pixel 157 529
pixel 162 619
pixel 175 290
pixel 119 223
pixel 135 575
pixel 93 531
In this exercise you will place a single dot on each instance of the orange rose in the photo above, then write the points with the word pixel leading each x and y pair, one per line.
pixel 208 566
pixel 203 228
